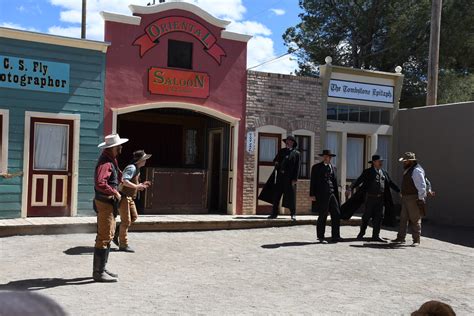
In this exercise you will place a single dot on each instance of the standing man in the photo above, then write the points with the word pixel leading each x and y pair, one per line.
pixel 413 198
pixel 107 198
pixel 287 167
pixel 129 188
pixel 375 184
pixel 324 192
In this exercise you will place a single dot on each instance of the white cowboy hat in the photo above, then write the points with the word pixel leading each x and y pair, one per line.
pixel 112 140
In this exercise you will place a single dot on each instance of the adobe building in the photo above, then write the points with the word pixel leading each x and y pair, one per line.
pixel 51 105
pixel 176 87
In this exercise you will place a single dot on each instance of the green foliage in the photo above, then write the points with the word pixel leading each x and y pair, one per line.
pixel 381 34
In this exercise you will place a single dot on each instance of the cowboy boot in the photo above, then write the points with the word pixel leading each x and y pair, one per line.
pixel 98 273
pixel 114 275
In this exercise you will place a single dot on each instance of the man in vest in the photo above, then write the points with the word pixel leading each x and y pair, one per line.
pixel 107 178
pixel 129 188
pixel 413 198
pixel 324 191
pixel 375 184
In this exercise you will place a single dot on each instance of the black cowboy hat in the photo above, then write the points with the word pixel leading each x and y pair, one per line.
pixel 327 152
pixel 140 155
pixel 376 157
pixel 290 137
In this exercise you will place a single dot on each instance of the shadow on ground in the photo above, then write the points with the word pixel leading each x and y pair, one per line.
pixel 43 283
pixel 380 246
pixel 459 235
pixel 79 250
pixel 289 244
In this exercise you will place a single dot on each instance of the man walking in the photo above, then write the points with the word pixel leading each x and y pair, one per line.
pixel 129 188
pixel 375 184
pixel 287 166
pixel 413 198
pixel 324 192
pixel 107 198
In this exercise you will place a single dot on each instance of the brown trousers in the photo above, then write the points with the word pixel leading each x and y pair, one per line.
pixel 128 215
pixel 410 214
pixel 105 224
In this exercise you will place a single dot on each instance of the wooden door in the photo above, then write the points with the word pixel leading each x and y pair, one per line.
pixel 268 147
pixel 50 167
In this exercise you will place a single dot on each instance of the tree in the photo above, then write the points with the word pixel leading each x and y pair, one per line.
pixel 379 35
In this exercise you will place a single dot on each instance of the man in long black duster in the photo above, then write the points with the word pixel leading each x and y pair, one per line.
pixel 374 184
pixel 287 166
pixel 324 192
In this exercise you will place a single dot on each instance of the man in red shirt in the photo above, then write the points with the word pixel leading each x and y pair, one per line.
pixel 107 198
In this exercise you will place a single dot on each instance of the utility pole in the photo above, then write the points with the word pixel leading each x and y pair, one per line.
pixel 83 24
pixel 433 60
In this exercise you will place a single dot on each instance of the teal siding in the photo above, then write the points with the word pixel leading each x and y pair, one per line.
pixel 86 98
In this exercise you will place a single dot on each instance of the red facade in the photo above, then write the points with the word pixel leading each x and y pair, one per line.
pixel 218 67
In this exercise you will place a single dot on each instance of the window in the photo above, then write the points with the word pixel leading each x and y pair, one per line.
pixel 3 141
pixel 267 148
pixel 383 149
pixel 355 156
pixel 180 54
pixel 332 143
pixel 304 146
pixel 51 147
pixel 362 114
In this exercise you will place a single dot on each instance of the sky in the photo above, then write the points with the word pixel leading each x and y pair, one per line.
pixel 265 20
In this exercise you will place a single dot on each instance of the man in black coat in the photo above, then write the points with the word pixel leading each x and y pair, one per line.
pixel 325 193
pixel 374 184
pixel 287 166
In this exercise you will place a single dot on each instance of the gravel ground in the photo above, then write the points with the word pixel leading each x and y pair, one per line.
pixel 245 272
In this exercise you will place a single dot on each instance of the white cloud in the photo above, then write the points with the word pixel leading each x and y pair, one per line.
pixel 18 27
pixel 278 11
pixel 249 27
pixel 260 48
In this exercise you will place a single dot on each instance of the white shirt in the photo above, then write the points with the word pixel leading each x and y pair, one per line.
pixel 418 177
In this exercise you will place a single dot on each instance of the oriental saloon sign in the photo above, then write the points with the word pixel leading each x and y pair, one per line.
pixel 178 83
pixel 33 74
pixel 360 91
pixel 164 26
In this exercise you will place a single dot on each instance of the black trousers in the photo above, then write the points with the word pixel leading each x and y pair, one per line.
pixel 333 209
pixel 373 210
pixel 284 187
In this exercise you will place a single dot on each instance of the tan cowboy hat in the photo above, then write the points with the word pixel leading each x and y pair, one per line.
pixel 140 155
pixel 112 140
pixel 408 156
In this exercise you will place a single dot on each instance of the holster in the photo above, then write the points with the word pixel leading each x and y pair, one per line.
pixel 111 200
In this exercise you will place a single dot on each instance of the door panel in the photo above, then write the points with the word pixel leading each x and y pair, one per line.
pixel 355 156
pixel 268 146
pixel 50 167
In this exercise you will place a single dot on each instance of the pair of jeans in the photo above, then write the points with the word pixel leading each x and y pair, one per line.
pixel 128 215
pixel 105 224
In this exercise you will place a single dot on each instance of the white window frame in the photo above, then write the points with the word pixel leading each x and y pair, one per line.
pixel 4 152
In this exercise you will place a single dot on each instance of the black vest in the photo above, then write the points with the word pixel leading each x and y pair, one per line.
pixel 378 184
pixel 328 177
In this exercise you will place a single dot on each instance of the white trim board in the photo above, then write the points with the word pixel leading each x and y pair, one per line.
pixel 5 133
pixel 161 7
pixel 53 39
pixel 75 157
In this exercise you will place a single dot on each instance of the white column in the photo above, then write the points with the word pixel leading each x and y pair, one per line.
pixel 343 164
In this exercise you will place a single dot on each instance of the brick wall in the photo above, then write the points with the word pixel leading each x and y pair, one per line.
pixel 288 102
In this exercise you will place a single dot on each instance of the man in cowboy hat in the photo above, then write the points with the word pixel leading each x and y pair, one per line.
pixel 287 166
pixel 129 188
pixel 107 178
pixel 374 186
pixel 324 192
pixel 413 198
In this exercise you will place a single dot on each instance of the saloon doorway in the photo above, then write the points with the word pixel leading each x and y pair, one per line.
pixel 189 167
